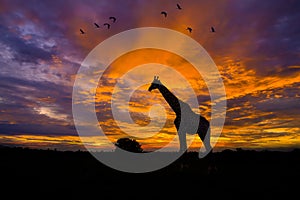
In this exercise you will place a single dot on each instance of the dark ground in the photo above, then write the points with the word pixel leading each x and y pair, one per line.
pixel 243 174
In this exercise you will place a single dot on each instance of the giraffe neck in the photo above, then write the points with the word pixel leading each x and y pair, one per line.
pixel 171 99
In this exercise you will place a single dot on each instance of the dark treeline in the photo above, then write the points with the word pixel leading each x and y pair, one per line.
pixel 78 174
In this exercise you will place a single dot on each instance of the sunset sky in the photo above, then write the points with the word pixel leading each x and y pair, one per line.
pixel 256 48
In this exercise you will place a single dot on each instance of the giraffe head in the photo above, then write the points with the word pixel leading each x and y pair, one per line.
pixel 155 84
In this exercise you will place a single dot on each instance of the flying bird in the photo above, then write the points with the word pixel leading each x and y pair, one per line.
pixel 82 32
pixel 107 24
pixel 113 19
pixel 178 7
pixel 212 29
pixel 97 26
pixel 164 13
pixel 189 29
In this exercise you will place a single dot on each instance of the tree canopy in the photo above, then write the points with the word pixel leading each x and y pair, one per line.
pixel 129 144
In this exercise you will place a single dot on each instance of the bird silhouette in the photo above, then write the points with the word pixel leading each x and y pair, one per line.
pixel 107 24
pixel 178 6
pixel 212 29
pixel 82 32
pixel 97 26
pixel 113 19
pixel 189 29
pixel 164 13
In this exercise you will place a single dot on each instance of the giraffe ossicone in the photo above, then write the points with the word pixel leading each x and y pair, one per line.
pixel 156 79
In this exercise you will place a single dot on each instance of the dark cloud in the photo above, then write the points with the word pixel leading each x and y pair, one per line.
pixel 29 88
pixel 267 31
pixel 36 129
pixel 203 99
pixel 22 50
pixel 281 106
pixel 20 100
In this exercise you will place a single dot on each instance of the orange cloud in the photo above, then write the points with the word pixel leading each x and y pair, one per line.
pixel 141 100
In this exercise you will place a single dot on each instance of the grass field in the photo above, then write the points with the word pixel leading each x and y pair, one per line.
pixel 242 174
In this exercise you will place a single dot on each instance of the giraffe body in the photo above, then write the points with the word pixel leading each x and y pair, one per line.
pixel 186 121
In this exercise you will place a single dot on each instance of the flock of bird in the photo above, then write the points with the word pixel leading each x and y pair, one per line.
pixel 212 29
pixel 113 20
pixel 164 13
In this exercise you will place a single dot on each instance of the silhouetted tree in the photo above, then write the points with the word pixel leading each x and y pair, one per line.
pixel 129 145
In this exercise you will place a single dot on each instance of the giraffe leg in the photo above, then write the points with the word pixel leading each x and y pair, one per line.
pixel 181 135
pixel 207 145
pixel 206 142
pixel 182 142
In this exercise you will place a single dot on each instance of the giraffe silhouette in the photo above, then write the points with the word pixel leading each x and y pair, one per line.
pixel 186 121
